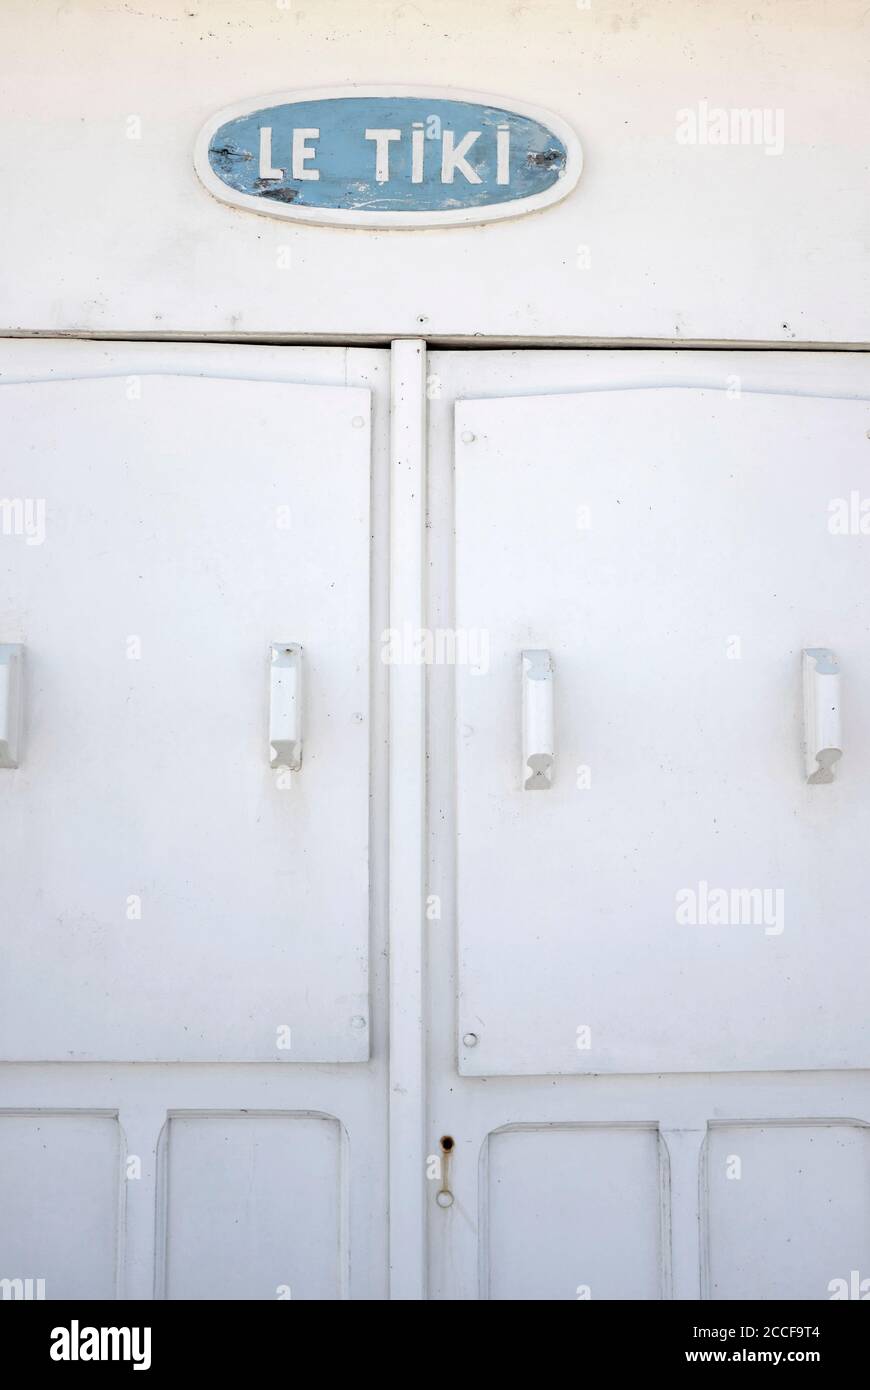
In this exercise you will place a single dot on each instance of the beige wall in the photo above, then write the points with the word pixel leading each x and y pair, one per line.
pixel 661 240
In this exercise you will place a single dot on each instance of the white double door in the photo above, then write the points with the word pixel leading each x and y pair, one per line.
pixel 392 1025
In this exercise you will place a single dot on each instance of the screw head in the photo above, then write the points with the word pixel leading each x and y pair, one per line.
pixel 357 422
pixel 467 437
pixel 357 1021
pixel 470 1040
pixel 444 1199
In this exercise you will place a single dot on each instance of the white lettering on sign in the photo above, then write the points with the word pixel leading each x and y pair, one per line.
pixel 382 140
pixel 418 149
pixel 503 154
pixel 454 158
pixel 266 170
pixel 302 155
pixel 453 155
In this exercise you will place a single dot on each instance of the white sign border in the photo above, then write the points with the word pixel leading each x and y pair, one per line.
pixel 386 220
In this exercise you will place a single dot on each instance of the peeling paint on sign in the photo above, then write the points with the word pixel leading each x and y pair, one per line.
pixel 387 157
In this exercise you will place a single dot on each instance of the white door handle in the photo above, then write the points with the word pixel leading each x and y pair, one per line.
pixel 285 712
pixel 538 746
pixel 11 665
pixel 823 738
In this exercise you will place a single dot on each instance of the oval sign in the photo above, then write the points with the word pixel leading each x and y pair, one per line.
pixel 388 157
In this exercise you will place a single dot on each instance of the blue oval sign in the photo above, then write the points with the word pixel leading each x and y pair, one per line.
pixel 387 157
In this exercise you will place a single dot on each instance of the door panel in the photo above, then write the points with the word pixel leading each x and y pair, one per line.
pixel 659 523
pixel 572 1212
pixel 59 1203
pixel 671 550
pixel 175 897
pixel 788 1209
pixel 253 1207
pixel 168 898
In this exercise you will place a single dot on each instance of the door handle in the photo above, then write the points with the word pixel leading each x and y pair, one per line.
pixel 538 744
pixel 285 706
pixel 11 665
pixel 823 737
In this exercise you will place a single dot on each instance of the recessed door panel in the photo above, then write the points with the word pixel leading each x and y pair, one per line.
pixel 572 1212
pixel 253 1207
pixel 678 897
pixel 60 1175
pixel 787 1210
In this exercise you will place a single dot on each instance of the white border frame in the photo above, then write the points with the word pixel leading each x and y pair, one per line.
pixel 357 218
pixel 407 827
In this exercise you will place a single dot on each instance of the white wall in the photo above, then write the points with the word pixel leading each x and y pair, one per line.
pixel 106 234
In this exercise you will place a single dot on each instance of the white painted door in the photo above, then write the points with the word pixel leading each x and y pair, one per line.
pixel 649 979
pixel 395 1026
pixel 170 899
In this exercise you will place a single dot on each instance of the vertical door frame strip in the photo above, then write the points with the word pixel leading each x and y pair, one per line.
pixel 407 822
